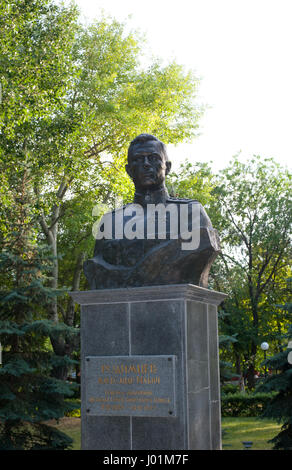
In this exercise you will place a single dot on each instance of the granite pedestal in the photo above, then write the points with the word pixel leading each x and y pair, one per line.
pixel 150 368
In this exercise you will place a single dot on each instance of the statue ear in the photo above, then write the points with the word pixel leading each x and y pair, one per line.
pixel 168 167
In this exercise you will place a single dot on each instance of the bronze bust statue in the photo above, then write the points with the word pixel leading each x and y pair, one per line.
pixel 151 247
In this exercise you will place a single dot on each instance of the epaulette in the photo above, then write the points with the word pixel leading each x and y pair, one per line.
pixel 180 200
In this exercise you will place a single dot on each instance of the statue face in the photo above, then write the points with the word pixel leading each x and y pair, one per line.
pixel 147 165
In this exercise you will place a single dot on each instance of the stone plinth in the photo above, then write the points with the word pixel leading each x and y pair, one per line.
pixel 150 368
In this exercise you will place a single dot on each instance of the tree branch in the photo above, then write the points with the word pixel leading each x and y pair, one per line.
pixel 272 272
pixel 225 255
pixel 237 227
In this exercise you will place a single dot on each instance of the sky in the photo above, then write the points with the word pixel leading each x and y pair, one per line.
pixel 241 50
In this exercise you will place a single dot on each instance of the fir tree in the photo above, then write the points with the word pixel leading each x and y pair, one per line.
pixel 29 394
pixel 280 407
pixel 225 342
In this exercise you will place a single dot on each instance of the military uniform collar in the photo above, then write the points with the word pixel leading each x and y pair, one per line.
pixel 151 197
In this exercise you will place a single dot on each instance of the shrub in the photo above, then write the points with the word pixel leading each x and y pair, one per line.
pixel 228 389
pixel 76 412
pixel 244 404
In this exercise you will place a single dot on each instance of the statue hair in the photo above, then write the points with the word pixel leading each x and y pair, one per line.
pixel 142 138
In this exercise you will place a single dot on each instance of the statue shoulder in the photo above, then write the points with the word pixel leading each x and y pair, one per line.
pixel 204 218
pixel 177 200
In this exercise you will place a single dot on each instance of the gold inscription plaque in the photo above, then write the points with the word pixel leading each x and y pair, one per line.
pixel 130 385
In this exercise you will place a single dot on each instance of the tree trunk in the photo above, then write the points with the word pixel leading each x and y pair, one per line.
pixel 251 369
pixel 70 315
pixel 237 363
pixel 51 233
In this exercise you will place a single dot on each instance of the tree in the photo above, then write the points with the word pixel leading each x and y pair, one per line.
pixel 251 211
pixel 73 98
pixel 225 343
pixel 29 395
pixel 35 67
pixel 192 181
pixel 197 181
pixel 280 407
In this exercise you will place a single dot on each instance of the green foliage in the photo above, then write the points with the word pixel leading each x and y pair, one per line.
pixel 244 404
pixel 225 346
pixel 192 181
pixel 251 211
pixel 36 37
pixel 228 389
pixel 73 96
pixel 29 395
pixel 76 412
pixel 280 408
pixel 25 436
pixel 249 205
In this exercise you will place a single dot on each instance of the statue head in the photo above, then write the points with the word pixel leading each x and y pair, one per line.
pixel 148 162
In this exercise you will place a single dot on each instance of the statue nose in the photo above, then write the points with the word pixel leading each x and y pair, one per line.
pixel 146 162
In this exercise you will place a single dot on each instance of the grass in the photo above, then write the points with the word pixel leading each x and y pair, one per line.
pixel 71 427
pixel 259 431
pixel 235 430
